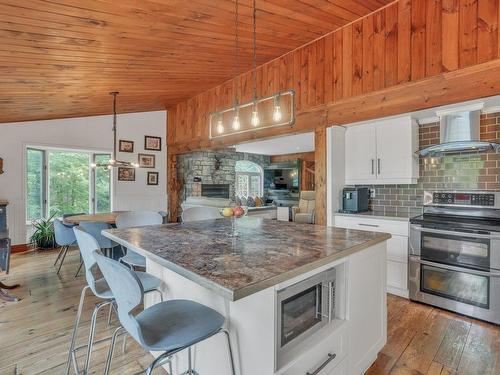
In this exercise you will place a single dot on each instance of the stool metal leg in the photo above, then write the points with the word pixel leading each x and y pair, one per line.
pixel 79 269
pixel 111 350
pixel 230 351
pixel 160 361
pixel 97 307
pixel 75 329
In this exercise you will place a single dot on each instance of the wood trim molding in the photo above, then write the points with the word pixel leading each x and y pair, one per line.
pixel 320 175
pixel 20 248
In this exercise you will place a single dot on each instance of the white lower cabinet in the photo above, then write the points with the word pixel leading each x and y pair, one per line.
pixel 397 247
pixel 340 369
pixel 335 345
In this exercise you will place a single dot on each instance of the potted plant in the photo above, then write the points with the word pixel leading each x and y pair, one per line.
pixel 43 237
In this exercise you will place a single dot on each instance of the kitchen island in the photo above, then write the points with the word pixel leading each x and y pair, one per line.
pixel 242 267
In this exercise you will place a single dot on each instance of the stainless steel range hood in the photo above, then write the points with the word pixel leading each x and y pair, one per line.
pixel 459 132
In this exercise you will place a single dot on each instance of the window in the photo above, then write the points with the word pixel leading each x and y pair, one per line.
pixel 62 181
pixel 249 179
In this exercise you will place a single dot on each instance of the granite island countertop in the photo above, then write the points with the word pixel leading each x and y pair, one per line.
pixel 238 257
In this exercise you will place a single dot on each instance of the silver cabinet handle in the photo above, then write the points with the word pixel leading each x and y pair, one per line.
pixel 373 168
pixel 330 358
pixel 369 225
pixel 454 268
pixel 378 165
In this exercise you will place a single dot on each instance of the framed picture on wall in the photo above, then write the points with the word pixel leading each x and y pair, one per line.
pixel 126 174
pixel 126 146
pixel 152 143
pixel 152 178
pixel 146 161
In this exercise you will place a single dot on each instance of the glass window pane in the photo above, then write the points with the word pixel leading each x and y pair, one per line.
pixel 34 184
pixel 247 166
pixel 68 182
pixel 255 185
pixel 242 185
pixel 102 185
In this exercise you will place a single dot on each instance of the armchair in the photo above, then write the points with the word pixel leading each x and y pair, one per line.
pixel 304 213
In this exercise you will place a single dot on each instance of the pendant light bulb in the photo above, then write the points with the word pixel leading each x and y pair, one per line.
pixel 277 116
pixel 236 120
pixel 220 125
pixel 112 161
pixel 255 120
pixel 93 165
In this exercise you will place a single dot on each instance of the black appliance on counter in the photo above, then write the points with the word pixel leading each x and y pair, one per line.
pixel 355 199
pixel 454 253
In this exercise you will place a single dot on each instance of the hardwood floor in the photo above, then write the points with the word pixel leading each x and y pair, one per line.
pixel 423 340
pixel 35 332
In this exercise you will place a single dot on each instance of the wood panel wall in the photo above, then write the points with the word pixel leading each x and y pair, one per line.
pixel 407 41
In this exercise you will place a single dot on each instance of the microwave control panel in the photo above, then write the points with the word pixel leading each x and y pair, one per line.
pixel 464 199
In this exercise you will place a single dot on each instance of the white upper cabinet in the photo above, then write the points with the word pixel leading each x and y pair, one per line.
pixel 360 153
pixel 382 152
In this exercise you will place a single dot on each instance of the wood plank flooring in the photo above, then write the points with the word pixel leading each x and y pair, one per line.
pixel 35 332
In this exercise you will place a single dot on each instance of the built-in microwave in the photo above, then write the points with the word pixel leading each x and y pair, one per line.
pixel 302 310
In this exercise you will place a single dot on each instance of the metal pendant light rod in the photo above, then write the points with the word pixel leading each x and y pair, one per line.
pixel 114 93
pixel 254 50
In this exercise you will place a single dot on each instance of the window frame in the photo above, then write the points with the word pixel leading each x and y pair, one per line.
pixel 92 203
pixel 260 174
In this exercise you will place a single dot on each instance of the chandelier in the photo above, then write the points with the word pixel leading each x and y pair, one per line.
pixel 260 113
pixel 114 162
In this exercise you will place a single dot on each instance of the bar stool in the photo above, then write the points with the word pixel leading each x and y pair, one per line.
pixel 167 327
pixel 65 238
pixel 136 219
pixel 95 228
pixel 88 245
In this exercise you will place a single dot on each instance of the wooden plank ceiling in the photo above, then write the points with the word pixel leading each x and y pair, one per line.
pixel 60 58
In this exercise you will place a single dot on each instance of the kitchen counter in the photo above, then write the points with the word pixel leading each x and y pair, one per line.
pixel 387 215
pixel 236 258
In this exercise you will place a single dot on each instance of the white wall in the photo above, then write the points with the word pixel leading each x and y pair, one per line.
pixel 86 133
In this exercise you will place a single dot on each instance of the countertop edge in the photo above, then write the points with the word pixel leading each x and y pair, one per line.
pixel 253 288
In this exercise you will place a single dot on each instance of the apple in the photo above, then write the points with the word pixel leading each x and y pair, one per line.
pixel 238 211
pixel 227 212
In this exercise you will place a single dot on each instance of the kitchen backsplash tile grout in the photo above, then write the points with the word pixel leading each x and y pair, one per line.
pixel 461 171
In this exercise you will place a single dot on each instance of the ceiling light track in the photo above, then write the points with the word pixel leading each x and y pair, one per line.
pixel 253 115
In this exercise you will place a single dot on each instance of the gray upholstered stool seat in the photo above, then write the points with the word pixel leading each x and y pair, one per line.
pixel 134 259
pixel 175 324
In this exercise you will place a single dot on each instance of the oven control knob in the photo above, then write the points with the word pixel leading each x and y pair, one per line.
pixel 449 200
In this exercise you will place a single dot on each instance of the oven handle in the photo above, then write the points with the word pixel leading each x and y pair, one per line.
pixel 454 268
pixel 449 232
pixel 330 358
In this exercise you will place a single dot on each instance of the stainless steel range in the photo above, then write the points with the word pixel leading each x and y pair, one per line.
pixel 454 260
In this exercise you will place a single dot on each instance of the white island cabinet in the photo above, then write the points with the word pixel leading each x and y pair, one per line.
pixel 297 299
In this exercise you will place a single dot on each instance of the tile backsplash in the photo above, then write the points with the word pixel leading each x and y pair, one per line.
pixel 460 171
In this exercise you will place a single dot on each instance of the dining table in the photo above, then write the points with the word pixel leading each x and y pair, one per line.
pixel 104 217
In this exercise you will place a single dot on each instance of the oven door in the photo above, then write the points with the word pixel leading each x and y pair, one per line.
pixel 466 291
pixel 458 247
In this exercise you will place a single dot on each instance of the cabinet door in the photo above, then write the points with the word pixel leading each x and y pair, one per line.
pixel 395 153
pixel 360 154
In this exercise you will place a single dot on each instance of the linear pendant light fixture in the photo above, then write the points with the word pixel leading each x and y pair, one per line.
pixel 113 162
pixel 260 113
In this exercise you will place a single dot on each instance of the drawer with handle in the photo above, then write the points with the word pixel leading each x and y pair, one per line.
pixel 322 358
pixel 396 227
